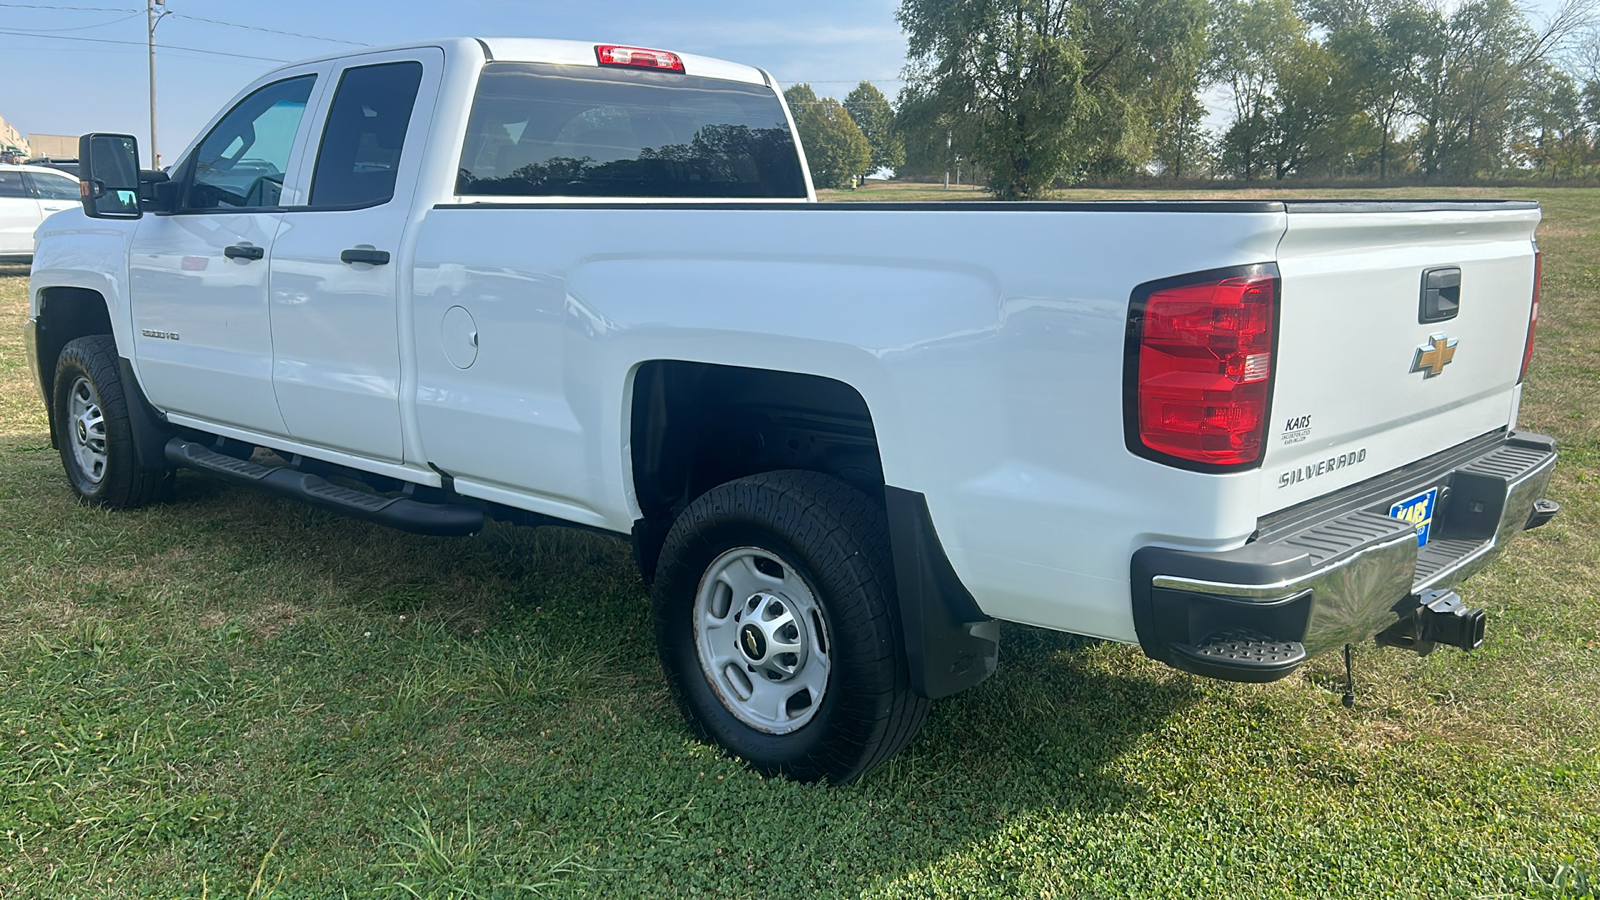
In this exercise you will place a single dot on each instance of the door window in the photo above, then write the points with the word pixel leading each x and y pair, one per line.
pixel 53 187
pixel 11 184
pixel 360 153
pixel 240 164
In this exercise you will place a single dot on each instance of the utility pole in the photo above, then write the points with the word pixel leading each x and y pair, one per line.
pixel 154 20
pixel 949 137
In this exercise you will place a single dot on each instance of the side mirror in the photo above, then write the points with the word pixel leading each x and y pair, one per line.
pixel 108 176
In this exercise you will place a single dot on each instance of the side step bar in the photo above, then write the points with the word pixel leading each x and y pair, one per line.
pixel 440 519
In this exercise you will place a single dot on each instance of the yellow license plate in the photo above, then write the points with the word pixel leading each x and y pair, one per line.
pixel 1418 511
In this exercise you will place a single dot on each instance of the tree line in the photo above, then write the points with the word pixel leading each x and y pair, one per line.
pixel 1039 94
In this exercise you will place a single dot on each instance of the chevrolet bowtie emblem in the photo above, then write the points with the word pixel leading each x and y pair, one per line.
pixel 1433 356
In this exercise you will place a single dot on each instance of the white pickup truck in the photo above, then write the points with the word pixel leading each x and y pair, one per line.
pixel 551 282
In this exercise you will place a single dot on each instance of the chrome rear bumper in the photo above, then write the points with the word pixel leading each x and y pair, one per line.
pixel 1338 570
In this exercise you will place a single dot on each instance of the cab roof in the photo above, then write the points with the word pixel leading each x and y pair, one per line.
pixel 582 53
pixel 560 52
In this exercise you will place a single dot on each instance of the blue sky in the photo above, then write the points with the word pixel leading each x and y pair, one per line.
pixel 57 86
pixel 54 82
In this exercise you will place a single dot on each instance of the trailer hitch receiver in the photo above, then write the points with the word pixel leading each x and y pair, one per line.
pixel 1442 618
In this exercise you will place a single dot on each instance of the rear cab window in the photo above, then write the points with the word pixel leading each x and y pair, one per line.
pixel 541 130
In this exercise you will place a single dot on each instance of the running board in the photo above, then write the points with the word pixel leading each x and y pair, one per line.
pixel 441 519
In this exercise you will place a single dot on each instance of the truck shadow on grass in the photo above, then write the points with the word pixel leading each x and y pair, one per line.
pixel 509 681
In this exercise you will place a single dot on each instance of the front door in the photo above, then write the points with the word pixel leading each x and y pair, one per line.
pixel 337 262
pixel 198 276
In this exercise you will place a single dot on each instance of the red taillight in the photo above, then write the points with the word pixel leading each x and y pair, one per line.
pixel 612 55
pixel 1533 314
pixel 1202 368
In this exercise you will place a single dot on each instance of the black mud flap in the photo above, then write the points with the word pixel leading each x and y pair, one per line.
pixel 950 644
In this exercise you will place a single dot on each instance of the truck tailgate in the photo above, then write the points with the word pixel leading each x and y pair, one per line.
pixel 1368 380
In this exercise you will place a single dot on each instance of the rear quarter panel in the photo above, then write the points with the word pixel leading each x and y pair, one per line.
pixel 987 344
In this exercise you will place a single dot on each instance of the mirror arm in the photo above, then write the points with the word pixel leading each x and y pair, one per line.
pixel 155 190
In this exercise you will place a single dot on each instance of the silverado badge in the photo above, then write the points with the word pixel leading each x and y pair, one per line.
pixel 1433 356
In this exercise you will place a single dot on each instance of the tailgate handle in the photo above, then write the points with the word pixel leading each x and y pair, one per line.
pixel 1441 295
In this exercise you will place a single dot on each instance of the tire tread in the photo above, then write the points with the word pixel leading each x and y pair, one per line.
pixel 126 485
pixel 848 533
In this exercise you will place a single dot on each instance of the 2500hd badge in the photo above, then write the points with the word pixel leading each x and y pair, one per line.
pixel 1322 467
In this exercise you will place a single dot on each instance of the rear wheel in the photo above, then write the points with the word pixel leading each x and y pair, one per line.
pixel 777 629
pixel 92 428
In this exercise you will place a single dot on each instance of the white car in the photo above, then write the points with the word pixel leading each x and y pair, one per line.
pixel 29 195
pixel 553 282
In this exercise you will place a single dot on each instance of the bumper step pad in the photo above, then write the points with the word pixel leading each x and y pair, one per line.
pixel 440 519
pixel 1240 655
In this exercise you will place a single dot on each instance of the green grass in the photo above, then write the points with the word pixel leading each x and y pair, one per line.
pixel 235 696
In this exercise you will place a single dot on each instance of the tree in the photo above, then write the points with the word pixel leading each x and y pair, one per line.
pixel 1254 43
pixel 1313 117
pixel 936 143
pixel 1049 89
pixel 836 150
pixel 1552 137
pixel 1180 149
pixel 1148 56
pixel 1486 59
pixel 1013 69
pixel 1382 44
pixel 871 112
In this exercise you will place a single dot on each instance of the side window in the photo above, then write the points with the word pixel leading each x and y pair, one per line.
pixel 53 187
pixel 360 152
pixel 11 185
pixel 240 164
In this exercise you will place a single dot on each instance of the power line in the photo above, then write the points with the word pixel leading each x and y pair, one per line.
pixel 72 8
pixel 177 15
pixel 296 34
pixel 62 37
pixel 46 31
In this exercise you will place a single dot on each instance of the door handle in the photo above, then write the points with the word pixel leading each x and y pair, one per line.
pixel 244 251
pixel 365 255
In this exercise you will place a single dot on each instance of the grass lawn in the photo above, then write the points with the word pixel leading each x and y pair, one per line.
pixel 237 696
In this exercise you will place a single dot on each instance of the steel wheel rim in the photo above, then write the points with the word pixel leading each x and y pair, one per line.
pixel 762 640
pixel 86 426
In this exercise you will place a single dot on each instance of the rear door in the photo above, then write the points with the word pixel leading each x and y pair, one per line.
pixel 337 261
pixel 54 192
pixel 1401 334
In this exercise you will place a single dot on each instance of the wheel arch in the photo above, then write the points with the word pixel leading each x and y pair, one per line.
pixel 64 313
pixel 694 425
pixel 61 315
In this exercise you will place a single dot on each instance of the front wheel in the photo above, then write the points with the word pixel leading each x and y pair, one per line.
pixel 777 628
pixel 92 428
